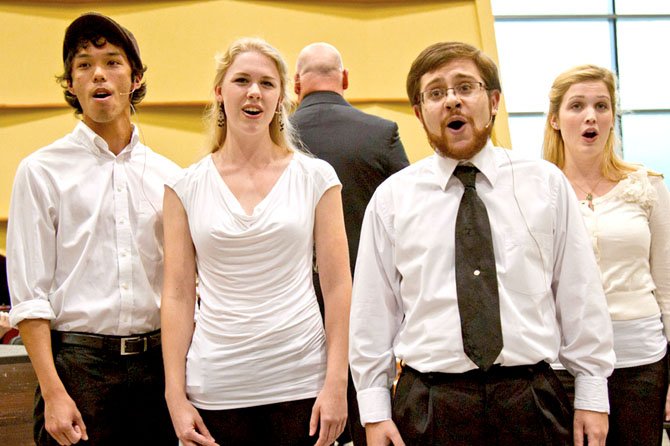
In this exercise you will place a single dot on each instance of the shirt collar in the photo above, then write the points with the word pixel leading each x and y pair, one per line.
pixel 322 97
pixel 484 160
pixel 94 142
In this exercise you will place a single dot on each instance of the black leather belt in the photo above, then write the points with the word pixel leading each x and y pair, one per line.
pixel 123 345
pixel 495 372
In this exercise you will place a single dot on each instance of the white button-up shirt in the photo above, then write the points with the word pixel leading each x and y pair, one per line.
pixel 84 236
pixel 404 301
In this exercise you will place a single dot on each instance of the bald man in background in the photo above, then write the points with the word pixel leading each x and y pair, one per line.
pixel 364 150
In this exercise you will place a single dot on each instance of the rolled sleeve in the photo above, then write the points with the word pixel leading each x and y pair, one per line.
pixel 31 242
pixel 31 309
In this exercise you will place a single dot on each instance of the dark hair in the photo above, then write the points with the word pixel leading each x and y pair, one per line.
pixel 442 53
pixel 97 30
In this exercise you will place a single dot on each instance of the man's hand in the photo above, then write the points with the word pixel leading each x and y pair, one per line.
pixel 383 434
pixel 593 425
pixel 63 420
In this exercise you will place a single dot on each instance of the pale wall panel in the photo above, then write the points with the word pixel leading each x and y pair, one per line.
pixel 178 40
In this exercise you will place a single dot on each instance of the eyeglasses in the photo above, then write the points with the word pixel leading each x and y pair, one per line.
pixel 462 90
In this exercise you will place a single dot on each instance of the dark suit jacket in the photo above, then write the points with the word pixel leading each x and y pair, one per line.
pixel 364 150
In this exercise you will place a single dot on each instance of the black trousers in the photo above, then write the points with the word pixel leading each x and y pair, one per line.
pixel 506 406
pixel 121 398
pixel 637 403
pixel 280 424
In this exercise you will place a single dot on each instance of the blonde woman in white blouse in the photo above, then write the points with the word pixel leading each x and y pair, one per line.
pixel 259 367
pixel 626 209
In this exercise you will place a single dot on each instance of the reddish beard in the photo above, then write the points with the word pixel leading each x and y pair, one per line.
pixel 477 142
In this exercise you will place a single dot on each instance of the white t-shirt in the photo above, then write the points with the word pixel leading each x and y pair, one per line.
pixel 259 337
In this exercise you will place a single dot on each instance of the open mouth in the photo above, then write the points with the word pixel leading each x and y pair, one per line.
pixel 252 111
pixel 456 124
pixel 101 94
pixel 590 134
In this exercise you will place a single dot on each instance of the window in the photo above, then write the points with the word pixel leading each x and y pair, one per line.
pixel 538 39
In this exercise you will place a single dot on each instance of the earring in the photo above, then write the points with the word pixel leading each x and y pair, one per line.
pixel 221 119
pixel 280 121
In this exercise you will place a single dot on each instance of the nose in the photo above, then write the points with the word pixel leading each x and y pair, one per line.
pixel 254 90
pixel 98 73
pixel 452 100
pixel 590 114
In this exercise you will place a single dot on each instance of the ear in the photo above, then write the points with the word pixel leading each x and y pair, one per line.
pixel 296 84
pixel 217 93
pixel 554 122
pixel 495 100
pixel 137 83
pixel 70 89
pixel 417 112
pixel 345 79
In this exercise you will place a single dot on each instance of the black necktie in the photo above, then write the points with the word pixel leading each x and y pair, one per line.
pixel 476 279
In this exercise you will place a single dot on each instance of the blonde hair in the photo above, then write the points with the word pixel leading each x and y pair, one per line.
pixel 282 132
pixel 613 167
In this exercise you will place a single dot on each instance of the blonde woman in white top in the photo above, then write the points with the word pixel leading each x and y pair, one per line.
pixel 626 209
pixel 259 367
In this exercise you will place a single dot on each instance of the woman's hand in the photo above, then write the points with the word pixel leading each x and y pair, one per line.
pixel 329 413
pixel 188 424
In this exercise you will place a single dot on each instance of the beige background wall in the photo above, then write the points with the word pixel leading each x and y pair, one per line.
pixel 178 39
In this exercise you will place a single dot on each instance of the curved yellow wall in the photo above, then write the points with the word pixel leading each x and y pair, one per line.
pixel 178 39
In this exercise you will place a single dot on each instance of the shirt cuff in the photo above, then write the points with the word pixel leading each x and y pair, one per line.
pixel 374 405
pixel 31 309
pixel 591 394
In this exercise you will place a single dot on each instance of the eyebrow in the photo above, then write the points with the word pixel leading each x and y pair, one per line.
pixel 84 54
pixel 244 73
pixel 459 77
pixel 581 96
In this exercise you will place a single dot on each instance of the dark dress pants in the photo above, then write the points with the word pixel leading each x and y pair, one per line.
pixel 506 406
pixel 637 403
pixel 121 398
pixel 280 424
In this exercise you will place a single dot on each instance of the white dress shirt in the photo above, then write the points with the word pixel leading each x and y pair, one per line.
pixel 85 233
pixel 259 337
pixel 404 301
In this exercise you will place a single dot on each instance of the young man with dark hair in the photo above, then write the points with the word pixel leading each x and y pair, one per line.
pixel 84 249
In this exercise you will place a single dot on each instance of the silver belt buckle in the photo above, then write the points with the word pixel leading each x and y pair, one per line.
pixel 133 338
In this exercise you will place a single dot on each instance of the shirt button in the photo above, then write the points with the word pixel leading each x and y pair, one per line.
pixel 122 221
pixel 477 272
pixel 124 286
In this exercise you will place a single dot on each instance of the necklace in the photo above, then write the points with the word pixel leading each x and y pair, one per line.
pixel 589 195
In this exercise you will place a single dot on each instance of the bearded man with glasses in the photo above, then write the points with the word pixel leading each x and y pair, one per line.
pixel 475 271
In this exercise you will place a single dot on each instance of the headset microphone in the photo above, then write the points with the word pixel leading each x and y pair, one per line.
pixel 129 93
pixel 493 115
pixel 489 123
